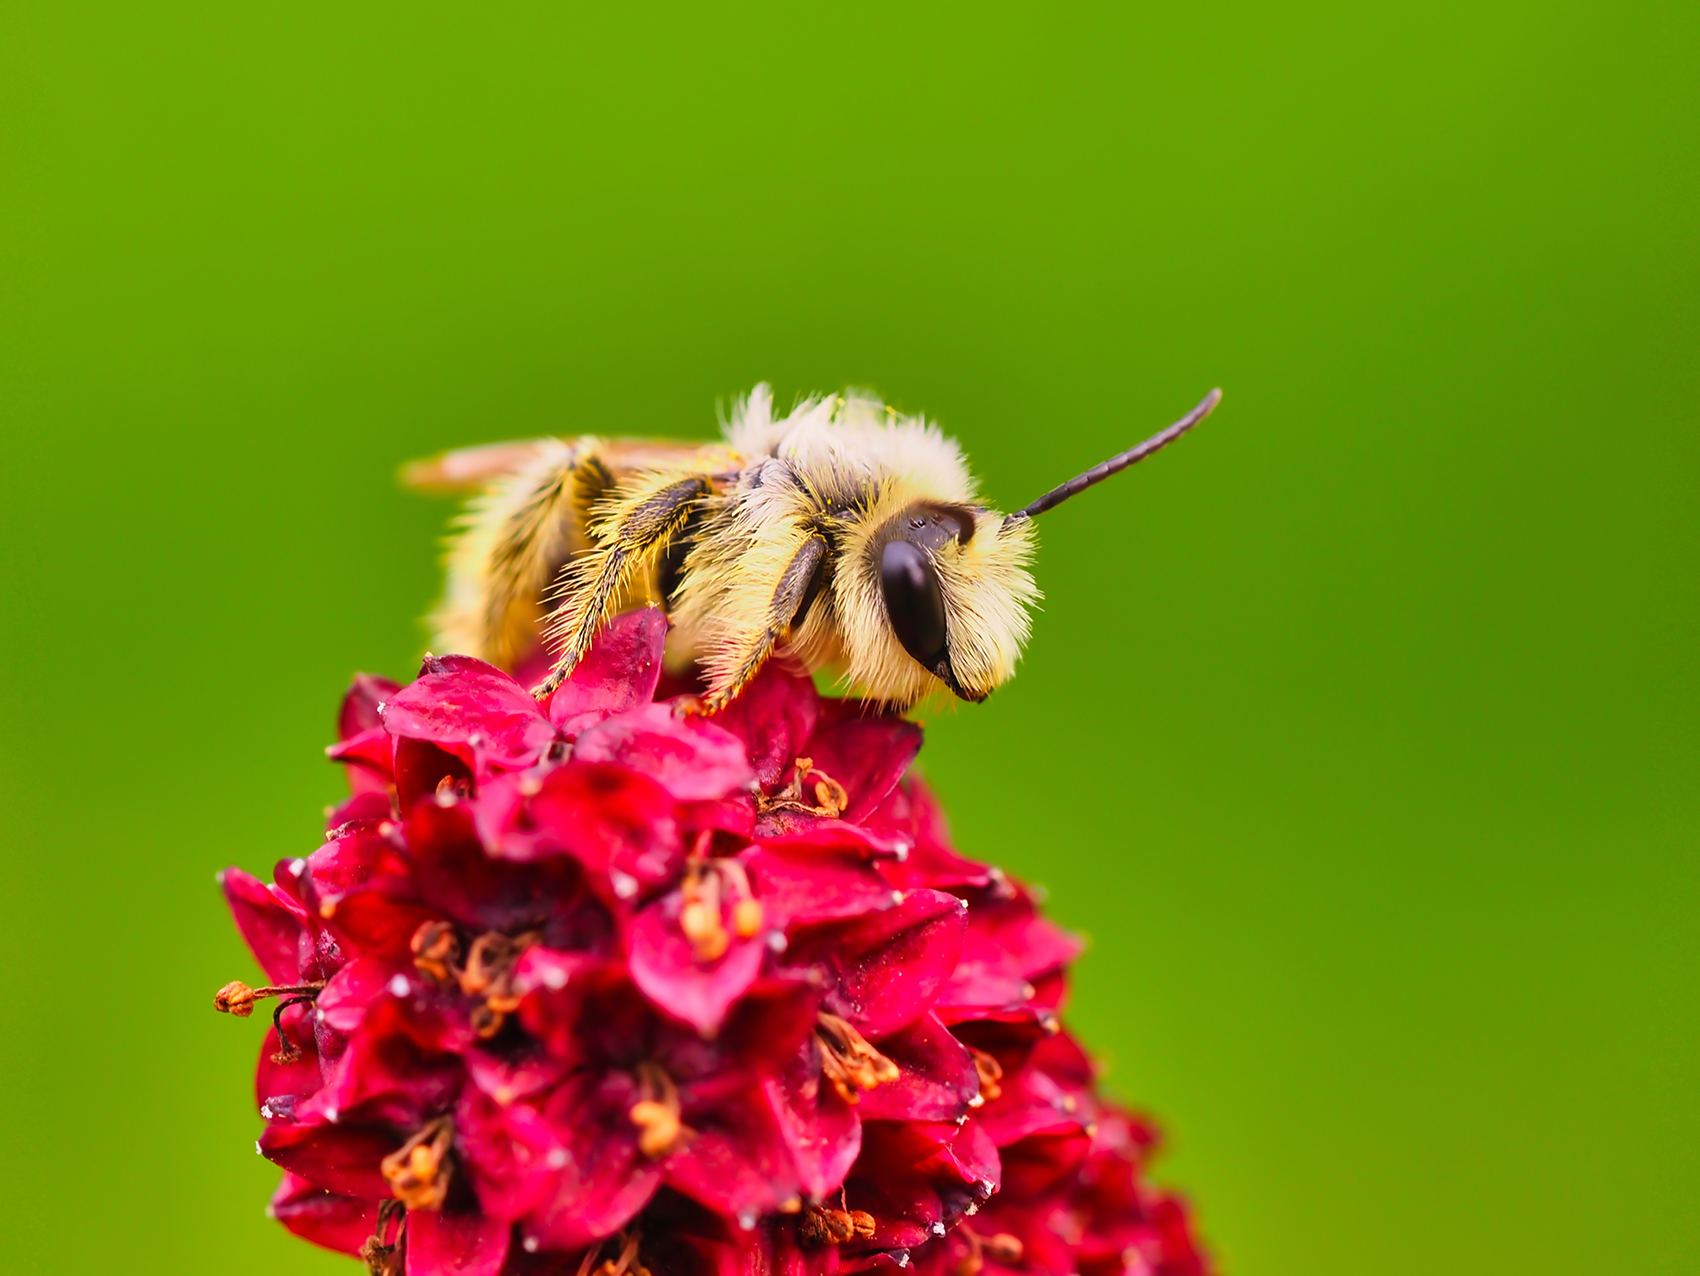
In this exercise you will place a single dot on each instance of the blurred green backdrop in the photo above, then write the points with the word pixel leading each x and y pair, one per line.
pixel 1358 730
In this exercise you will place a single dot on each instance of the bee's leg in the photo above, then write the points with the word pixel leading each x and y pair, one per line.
pixel 551 522
pixel 632 534
pixel 790 595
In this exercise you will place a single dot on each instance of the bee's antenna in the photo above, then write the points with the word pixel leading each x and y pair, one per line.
pixel 1116 464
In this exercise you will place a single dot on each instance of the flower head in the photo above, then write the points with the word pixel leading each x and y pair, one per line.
pixel 598 985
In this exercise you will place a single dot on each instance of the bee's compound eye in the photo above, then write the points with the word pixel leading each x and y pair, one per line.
pixel 913 601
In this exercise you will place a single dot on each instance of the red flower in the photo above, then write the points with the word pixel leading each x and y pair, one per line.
pixel 600 985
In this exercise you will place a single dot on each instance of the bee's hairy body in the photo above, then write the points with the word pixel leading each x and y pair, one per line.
pixel 844 534
pixel 767 542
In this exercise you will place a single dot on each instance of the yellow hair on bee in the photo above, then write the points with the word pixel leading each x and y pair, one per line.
pixel 867 465
pixel 628 530
pixel 987 591
pixel 500 551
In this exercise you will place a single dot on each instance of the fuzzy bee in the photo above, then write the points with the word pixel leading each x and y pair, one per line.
pixel 843 534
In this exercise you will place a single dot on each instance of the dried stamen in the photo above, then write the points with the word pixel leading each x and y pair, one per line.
pixel 287 1050
pixel 419 1170
pixel 451 790
pixel 1003 1247
pixel 657 1113
pixel 708 883
pixel 236 998
pixel 747 918
pixel 436 951
pixel 699 919
pixel 830 799
pixel 1000 1247
pixel 627 1261
pixel 847 1061
pixel 491 960
pixel 488 972
pixel 383 1259
pixel 990 1072
pixel 819 1225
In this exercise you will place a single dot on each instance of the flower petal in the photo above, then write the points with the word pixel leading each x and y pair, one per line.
pixel 691 759
pixel 339 1158
pixel 422 768
pixel 617 823
pixel 361 704
pixel 358 855
pixel 911 808
pixel 603 1179
pixel 799 882
pixel 896 1147
pixel 553 988
pixel 443 1243
pixel 936 1079
pixel 370 759
pixel 1009 956
pixel 760 1039
pixel 735 815
pixel 507 1154
pixel 672 974
pixel 372 805
pixel 452 873
pixel 373 921
pixel 272 926
pixel 472 709
pixel 773 716
pixel 770 1249
pixel 823 1132
pixel 868 756
pixel 507 1070
pixel 1061 1057
pixel 1008 934
pixel 393 1069
pixel 905 1210
pixel 1042 1161
pixel 361 984
pixel 279 1087
pixel 971 1159
pixel 737 1160
pixel 340 1223
pixel 883 970
pixel 807 829
pixel 1031 1103
pixel 620 670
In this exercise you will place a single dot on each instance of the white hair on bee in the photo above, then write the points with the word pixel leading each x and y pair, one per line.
pixel 853 454
pixel 850 439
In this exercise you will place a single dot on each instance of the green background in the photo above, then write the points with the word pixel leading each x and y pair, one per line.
pixel 1358 730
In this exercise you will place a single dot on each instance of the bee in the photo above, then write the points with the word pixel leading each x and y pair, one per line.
pixel 843 535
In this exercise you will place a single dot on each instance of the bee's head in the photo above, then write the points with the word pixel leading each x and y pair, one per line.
pixel 941 592
pixel 935 593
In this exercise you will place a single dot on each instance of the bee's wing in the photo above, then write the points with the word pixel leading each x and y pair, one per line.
pixel 468 469
pixel 634 456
